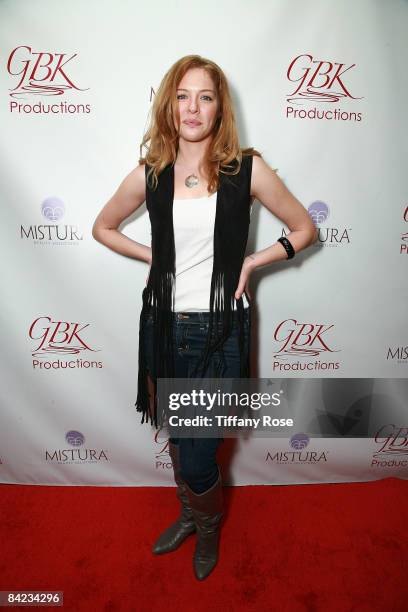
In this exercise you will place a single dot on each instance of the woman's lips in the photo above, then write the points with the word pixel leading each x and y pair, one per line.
pixel 192 123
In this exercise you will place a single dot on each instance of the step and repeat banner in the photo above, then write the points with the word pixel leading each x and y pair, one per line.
pixel 320 90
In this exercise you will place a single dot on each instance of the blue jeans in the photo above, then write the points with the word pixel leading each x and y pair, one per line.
pixel 198 466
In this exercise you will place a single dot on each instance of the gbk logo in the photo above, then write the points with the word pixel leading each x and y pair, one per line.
pixel 58 337
pixel 318 80
pixel 162 456
pixel 392 440
pixel 40 73
pixel 404 235
pixel 302 339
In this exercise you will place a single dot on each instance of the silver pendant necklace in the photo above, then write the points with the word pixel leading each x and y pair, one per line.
pixel 191 181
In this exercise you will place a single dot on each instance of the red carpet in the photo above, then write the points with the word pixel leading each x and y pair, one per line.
pixel 294 548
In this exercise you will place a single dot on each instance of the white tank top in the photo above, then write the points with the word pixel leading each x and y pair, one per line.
pixel 193 222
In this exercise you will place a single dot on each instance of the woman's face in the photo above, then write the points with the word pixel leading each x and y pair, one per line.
pixel 198 105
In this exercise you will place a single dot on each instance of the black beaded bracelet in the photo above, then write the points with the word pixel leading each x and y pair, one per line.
pixel 287 246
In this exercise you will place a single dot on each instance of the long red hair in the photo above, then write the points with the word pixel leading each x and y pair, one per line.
pixel 161 137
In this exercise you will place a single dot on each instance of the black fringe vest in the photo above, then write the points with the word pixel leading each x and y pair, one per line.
pixel 231 228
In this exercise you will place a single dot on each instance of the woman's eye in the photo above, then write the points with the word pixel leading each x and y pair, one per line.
pixel 180 96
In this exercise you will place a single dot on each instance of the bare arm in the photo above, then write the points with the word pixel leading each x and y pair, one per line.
pixel 130 194
pixel 270 190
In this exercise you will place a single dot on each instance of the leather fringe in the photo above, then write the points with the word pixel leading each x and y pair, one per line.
pixel 159 292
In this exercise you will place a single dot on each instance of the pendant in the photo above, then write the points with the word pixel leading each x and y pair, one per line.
pixel 191 180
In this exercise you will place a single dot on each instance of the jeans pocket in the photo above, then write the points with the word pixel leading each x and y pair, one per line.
pixel 216 366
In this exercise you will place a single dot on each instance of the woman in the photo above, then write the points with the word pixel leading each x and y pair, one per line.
pixel 199 186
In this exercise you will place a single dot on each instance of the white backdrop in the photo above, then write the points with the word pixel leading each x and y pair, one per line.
pixel 320 89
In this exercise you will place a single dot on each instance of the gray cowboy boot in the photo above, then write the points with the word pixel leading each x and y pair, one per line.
pixel 174 535
pixel 207 510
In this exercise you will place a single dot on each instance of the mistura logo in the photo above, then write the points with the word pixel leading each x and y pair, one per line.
pixel 63 339
pixel 52 233
pixel 302 347
pixel 397 353
pixel 42 74
pixel 328 236
pixel 299 455
pixel 76 454
pixel 319 82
